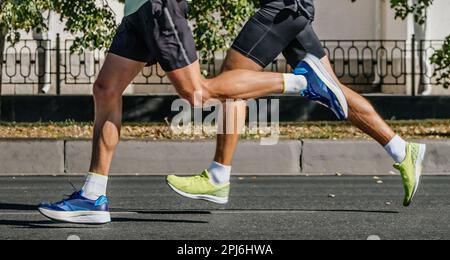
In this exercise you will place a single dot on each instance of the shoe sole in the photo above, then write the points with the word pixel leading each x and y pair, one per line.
pixel 209 198
pixel 77 217
pixel 323 74
pixel 419 168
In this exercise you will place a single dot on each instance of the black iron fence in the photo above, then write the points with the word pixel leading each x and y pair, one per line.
pixel 356 62
pixel 426 49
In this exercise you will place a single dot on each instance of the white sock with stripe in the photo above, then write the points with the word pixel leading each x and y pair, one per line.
pixel 94 186
pixel 396 148
pixel 294 84
pixel 220 174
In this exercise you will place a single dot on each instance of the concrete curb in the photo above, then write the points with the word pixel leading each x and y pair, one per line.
pixel 35 157
pixel 365 158
pixel 307 157
pixel 165 157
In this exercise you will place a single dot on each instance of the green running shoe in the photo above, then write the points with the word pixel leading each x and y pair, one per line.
pixel 411 170
pixel 200 187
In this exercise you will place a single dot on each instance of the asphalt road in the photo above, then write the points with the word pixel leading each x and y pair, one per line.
pixel 260 208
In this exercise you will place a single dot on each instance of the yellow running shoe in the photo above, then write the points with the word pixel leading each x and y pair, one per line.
pixel 199 187
pixel 411 170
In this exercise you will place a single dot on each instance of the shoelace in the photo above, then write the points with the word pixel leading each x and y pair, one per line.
pixel 314 97
pixel 414 152
pixel 74 194
pixel 69 197
pixel 198 177
pixel 311 95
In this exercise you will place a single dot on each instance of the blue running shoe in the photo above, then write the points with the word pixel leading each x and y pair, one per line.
pixel 322 88
pixel 78 209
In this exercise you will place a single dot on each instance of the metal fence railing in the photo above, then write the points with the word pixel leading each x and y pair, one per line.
pixel 356 62
pixel 426 49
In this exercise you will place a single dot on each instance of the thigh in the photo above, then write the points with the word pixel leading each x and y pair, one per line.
pixel 129 41
pixel 235 61
pixel 169 34
pixel 188 82
pixel 269 32
pixel 305 42
pixel 118 72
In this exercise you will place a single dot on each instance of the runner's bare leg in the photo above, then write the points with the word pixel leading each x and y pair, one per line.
pixel 361 112
pixel 115 76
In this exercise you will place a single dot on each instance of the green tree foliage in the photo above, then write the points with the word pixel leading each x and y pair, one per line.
pixel 441 59
pixel 17 15
pixel 93 23
pixel 403 9
pixel 217 23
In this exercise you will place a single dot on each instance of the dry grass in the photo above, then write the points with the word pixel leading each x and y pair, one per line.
pixel 427 129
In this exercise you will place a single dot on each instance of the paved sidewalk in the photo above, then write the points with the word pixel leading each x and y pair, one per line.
pixel 261 208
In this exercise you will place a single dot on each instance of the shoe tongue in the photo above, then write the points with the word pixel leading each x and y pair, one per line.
pixel 77 194
pixel 73 196
pixel 205 174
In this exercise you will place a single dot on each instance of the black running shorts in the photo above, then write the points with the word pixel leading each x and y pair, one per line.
pixel 277 28
pixel 157 33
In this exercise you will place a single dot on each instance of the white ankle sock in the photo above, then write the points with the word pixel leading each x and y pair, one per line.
pixel 95 186
pixel 294 84
pixel 396 148
pixel 220 174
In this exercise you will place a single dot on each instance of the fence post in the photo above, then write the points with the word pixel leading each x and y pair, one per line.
pixel 2 49
pixel 421 64
pixel 413 65
pixel 58 64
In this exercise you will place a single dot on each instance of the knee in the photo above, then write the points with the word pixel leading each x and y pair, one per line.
pixel 105 92
pixel 228 66
pixel 197 95
pixel 207 91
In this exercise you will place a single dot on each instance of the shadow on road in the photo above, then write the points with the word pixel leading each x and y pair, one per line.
pixel 44 224
pixel 163 212
pixel 28 207
pixel 19 207
pixel 47 224
pixel 134 220
pixel 352 211
pixel 250 211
